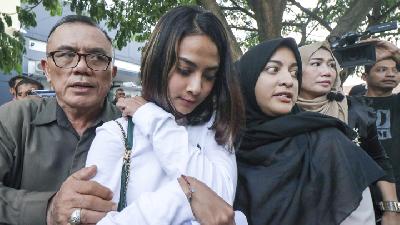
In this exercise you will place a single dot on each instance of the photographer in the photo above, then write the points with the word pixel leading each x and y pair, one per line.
pixel 381 60
pixel 382 77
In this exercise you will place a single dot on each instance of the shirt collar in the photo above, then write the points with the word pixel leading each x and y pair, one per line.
pixel 50 111
pixel 108 113
pixel 47 112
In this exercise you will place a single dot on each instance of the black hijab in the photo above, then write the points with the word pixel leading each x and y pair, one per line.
pixel 250 66
pixel 301 168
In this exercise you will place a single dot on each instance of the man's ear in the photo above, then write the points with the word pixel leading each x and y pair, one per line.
pixel 114 72
pixel 45 68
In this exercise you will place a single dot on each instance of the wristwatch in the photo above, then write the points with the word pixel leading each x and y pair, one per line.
pixel 389 206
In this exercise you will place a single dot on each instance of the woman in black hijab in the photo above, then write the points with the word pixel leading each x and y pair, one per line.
pixel 296 167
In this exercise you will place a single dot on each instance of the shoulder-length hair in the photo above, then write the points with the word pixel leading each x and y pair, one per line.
pixel 160 55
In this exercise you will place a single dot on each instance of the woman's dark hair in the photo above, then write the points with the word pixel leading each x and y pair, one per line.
pixel 160 55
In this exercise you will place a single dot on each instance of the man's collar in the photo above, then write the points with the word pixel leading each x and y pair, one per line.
pixel 108 113
pixel 50 111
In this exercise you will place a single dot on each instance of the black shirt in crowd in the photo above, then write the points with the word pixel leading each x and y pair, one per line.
pixel 388 125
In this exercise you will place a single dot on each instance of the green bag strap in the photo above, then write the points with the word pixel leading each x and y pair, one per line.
pixel 126 164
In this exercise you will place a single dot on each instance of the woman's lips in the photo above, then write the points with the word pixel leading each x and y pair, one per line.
pixel 285 97
pixel 325 83
pixel 187 102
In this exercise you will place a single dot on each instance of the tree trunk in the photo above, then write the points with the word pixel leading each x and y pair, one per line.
pixel 213 7
pixel 353 16
pixel 269 17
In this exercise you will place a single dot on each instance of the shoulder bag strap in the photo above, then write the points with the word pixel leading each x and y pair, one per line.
pixel 128 142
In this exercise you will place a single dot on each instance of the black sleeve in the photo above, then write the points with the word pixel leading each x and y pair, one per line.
pixel 363 117
pixel 374 148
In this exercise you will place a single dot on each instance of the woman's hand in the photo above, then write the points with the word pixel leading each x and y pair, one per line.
pixel 207 207
pixel 129 106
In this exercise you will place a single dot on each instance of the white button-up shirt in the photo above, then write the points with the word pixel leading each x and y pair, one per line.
pixel 162 151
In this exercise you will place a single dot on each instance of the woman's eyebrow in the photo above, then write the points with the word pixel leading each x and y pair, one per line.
pixel 192 64
pixel 316 58
pixel 275 61
pixel 321 59
pixel 293 65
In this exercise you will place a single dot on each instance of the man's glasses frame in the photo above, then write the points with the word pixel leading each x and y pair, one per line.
pixel 80 55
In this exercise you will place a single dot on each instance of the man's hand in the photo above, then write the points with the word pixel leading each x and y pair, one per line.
pixel 207 207
pixel 384 49
pixel 128 106
pixel 78 192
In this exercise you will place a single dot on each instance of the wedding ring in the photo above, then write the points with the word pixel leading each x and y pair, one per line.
pixel 75 218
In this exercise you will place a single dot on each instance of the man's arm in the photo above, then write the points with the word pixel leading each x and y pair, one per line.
pixel 27 207
pixel 18 207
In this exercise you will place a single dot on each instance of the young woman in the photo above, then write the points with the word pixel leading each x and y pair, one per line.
pixel 296 167
pixel 185 123
pixel 321 92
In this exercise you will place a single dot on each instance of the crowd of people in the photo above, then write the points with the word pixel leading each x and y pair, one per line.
pixel 269 139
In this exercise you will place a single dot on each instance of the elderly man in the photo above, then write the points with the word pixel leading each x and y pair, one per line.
pixel 44 142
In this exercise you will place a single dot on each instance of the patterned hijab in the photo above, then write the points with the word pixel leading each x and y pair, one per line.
pixel 332 104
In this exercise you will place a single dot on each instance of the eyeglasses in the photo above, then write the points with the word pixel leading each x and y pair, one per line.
pixel 70 59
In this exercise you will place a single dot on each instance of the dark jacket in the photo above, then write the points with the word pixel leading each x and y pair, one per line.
pixel 39 149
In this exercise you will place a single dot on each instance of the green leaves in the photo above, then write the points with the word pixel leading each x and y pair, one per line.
pixel 2 27
pixel 135 19
pixel 26 17
pixel 11 50
pixel 53 6
pixel 7 18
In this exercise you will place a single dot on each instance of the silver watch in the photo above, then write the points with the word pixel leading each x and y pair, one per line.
pixel 389 206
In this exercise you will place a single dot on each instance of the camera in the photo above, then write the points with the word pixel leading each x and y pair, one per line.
pixel 350 53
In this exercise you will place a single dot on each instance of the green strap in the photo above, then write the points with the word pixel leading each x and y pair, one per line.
pixel 128 140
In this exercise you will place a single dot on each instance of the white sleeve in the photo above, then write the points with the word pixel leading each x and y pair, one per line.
pixel 169 140
pixel 211 163
pixel 167 206
pixel 105 152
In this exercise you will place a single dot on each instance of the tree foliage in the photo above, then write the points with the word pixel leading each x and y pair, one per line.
pixel 248 21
